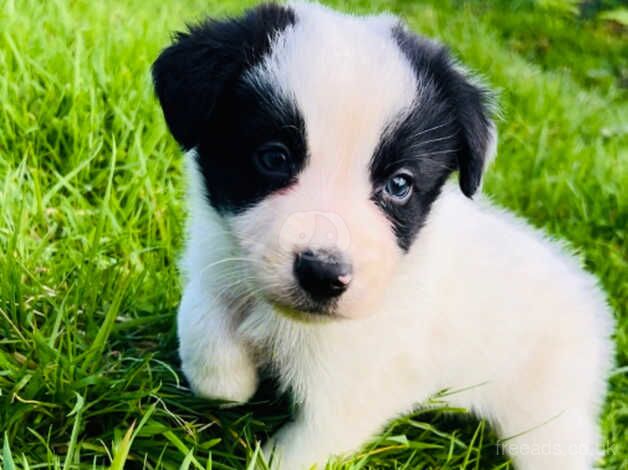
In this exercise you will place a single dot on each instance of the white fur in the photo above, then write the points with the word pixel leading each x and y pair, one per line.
pixel 481 303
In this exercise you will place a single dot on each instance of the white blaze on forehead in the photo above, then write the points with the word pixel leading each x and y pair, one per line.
pixel 349 81
pixel 348 78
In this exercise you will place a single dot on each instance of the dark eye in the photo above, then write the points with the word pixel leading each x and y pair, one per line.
pixel 273 159
pixel 398 188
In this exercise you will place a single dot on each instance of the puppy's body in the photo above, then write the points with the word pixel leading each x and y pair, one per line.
pixel 482 304
pixel 429 290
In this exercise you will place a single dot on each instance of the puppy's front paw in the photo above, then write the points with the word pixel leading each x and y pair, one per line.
pixel 275 455
pixel 231 377
pixel 284 452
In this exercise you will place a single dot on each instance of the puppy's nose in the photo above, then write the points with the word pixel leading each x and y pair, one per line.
pixel 323 274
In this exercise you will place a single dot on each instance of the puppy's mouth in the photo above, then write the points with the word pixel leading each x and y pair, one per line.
pixel 302 308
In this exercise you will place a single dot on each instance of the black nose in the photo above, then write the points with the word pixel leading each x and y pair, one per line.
pixel 323 274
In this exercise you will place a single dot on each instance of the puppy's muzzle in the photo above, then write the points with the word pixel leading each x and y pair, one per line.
pixel 323 274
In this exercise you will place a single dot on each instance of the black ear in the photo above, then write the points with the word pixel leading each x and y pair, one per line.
pixel 192 73
pixel 469 103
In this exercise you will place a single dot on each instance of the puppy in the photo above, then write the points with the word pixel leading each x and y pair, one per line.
pixel 325 241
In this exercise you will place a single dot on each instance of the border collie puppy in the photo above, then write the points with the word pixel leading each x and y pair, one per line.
pixel 325 242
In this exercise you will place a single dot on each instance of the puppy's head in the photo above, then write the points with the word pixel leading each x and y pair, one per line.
pixel 322 140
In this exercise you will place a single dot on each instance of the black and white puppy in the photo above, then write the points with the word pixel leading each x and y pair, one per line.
pixel 324 241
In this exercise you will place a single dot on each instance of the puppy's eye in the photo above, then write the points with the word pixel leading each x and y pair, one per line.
pixel 398 188
pixel 273 159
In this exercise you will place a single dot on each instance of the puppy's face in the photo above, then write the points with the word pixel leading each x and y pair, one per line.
pixel 323 140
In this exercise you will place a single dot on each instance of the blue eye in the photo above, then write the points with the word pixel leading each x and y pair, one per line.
pixel 273 159
pixel 398 188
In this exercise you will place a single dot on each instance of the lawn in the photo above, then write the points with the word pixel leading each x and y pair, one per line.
pixel 91 219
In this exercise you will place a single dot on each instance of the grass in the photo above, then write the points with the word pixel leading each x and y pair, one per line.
pixel 91 223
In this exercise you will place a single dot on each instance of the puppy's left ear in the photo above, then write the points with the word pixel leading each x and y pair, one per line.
pixel 468 101
pixel 471 104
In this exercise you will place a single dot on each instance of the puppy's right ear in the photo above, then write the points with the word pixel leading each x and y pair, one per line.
pixel 191 74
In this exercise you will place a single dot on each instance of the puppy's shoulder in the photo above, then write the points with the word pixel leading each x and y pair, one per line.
pixel 498 248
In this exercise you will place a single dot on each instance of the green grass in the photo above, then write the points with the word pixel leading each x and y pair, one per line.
pixel 91 223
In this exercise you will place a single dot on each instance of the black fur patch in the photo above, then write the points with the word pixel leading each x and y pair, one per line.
pixel 447 130
pixel 208 104
pixel 246 118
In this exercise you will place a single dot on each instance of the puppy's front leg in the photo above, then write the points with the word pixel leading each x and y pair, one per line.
pixel 323 431
pixel 214 359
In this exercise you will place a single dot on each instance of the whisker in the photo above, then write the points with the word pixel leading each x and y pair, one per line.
pixel 422 155
pixel 439 126
pixel 438 139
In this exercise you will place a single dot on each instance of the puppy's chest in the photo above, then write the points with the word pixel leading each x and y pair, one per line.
pixel 311 356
